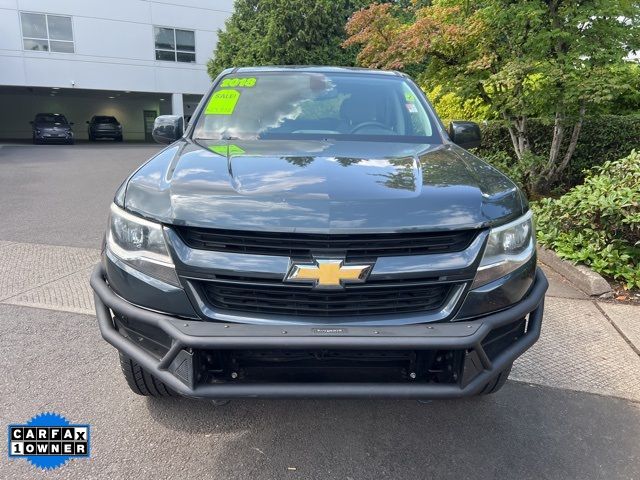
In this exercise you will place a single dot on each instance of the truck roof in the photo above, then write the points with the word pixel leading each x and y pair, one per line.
pixel 312 69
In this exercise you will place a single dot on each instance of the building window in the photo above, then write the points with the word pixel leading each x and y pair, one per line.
pixel 174 45
pixel 47 33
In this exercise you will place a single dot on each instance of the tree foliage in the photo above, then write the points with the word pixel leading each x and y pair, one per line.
pixel 284 32
pixel 559 59
pixel 603 138
pixel 598 223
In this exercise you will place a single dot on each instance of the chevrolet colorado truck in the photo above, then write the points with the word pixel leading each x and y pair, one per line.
pixel 318 232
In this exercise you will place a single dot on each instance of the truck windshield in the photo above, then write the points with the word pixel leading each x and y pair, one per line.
pixel 306 105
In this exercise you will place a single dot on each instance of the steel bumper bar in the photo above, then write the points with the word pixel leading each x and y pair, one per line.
pixel 191 334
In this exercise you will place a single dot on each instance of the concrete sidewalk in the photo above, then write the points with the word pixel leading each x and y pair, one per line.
pixel 586 345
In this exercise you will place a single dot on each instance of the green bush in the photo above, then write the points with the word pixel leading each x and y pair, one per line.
pixel 518 171
pixel 598 223
pixel 603 138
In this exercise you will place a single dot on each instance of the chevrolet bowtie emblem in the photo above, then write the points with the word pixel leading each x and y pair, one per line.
pixel 330 273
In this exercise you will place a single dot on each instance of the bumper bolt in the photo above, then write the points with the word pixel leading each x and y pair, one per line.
pixel 234 375
pixel 412 375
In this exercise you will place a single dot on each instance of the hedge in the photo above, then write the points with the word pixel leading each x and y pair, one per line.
pixel 598 223
pixel 604 138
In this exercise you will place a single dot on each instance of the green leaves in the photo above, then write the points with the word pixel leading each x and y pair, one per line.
pixel 284 32
pixel 525 59
pixel 598 223
pixel 603 138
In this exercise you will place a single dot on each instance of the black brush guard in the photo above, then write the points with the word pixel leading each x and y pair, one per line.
pixel 199 335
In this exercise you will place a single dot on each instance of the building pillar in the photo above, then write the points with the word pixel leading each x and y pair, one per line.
pixel 177 105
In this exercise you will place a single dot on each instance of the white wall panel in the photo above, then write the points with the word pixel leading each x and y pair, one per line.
pixel 10 37
pixel 114 48
pixel 182 80
pixel 113 39
pixel 92 75
pixel 125 10
pixel 185 17
pixel 11 70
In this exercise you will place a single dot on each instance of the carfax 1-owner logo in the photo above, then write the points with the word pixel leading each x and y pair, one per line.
pixel 49 440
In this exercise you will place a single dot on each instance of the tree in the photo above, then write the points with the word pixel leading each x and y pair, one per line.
pixel 556 59
pixel 284 32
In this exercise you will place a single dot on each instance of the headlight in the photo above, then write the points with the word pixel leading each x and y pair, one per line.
pixel 509 247
pixel 140 244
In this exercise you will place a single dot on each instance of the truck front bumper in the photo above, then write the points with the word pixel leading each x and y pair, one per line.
pixel 468 339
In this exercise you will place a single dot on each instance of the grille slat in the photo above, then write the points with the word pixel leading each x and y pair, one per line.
pixel 304 244
pixel 309 302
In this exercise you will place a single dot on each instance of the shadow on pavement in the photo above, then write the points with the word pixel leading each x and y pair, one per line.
pixel 521 432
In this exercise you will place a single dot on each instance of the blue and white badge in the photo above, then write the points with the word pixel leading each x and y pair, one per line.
pixel 48 441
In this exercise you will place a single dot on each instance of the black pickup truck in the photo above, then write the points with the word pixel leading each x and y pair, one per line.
pixel 317 232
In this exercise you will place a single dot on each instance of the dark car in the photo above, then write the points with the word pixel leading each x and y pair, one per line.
pixel 104 126
pixel 51 128
pixel 316 232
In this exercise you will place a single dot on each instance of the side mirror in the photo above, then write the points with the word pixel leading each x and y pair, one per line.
pixel 71 123
pixel 167 128
pixel 88 122
pixel 465 134
pixel 31 122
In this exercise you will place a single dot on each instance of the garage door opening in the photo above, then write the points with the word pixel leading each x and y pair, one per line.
pixel 135 111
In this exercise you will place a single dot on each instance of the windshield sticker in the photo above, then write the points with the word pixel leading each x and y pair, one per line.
pixel 226 150
pixel 409 97
pixel 223 102
pixel 411 108
pixel 247 82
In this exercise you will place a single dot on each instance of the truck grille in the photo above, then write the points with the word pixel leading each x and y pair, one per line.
pixel 355 247
pixel 282 299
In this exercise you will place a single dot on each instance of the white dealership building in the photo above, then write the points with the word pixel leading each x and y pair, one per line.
pixel 133 59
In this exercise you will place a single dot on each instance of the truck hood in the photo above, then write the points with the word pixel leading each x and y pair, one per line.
pixel 321 186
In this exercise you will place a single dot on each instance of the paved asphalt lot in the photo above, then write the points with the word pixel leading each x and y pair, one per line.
pixel 56 361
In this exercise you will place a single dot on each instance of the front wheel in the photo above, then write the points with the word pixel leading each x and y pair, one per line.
pixel 140 381
pixel 497 383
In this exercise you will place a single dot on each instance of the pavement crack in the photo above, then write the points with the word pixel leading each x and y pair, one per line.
pixel 35 287
pixel 619 330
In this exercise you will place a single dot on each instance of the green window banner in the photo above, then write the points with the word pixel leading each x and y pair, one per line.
pixel 246 82
pixel 226 150
pixel 410 97
pixel 222 102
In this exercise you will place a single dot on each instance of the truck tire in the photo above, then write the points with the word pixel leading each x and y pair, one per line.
pixel 497 383
pixel 141 382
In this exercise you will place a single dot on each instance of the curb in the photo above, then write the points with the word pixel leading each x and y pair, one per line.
pixel 583 277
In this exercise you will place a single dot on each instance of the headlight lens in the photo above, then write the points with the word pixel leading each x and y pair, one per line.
pixel 140 244
pixel 509 247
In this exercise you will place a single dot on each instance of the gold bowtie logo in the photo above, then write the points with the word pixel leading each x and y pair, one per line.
pixel 328 273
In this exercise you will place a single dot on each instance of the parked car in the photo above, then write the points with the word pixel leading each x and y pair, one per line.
pixel 316 232
pixel 104 126
pixel 51 127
